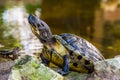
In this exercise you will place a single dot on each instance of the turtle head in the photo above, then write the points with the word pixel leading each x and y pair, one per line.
pixel 40 28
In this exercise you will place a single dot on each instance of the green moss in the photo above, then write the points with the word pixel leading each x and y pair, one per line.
pixel 32 69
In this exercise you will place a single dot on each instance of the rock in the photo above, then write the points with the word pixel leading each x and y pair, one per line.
pixel 29 68
pixel 108 69
pixel 5 69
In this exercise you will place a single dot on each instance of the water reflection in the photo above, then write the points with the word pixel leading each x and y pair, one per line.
pixel 16 20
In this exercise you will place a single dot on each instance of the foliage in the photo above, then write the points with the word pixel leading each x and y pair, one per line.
pixel 31 7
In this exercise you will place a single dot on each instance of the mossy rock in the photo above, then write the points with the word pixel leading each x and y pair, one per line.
pixel 29 68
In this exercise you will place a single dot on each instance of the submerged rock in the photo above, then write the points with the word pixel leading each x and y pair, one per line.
pixel 29 68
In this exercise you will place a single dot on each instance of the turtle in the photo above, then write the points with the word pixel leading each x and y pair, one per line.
pixel 68 51
pixel 10 54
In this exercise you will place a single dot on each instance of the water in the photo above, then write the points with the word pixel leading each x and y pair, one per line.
pixel 16 20
pixel 83 18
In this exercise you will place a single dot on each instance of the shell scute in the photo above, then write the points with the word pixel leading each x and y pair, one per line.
pixel 80 46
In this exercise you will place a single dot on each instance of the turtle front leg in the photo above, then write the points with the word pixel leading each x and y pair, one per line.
pixel 44 60
pixel 65 68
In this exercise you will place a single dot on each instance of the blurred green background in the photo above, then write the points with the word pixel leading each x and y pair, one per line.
pixel 98 21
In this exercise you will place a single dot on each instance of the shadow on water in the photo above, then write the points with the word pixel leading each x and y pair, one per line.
pixel 81 17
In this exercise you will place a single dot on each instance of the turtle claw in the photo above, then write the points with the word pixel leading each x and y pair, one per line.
pixel 62 72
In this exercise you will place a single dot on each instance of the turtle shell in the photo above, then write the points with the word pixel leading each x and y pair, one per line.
pixel 80 46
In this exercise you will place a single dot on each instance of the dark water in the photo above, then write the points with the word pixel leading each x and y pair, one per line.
pixel 84 18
